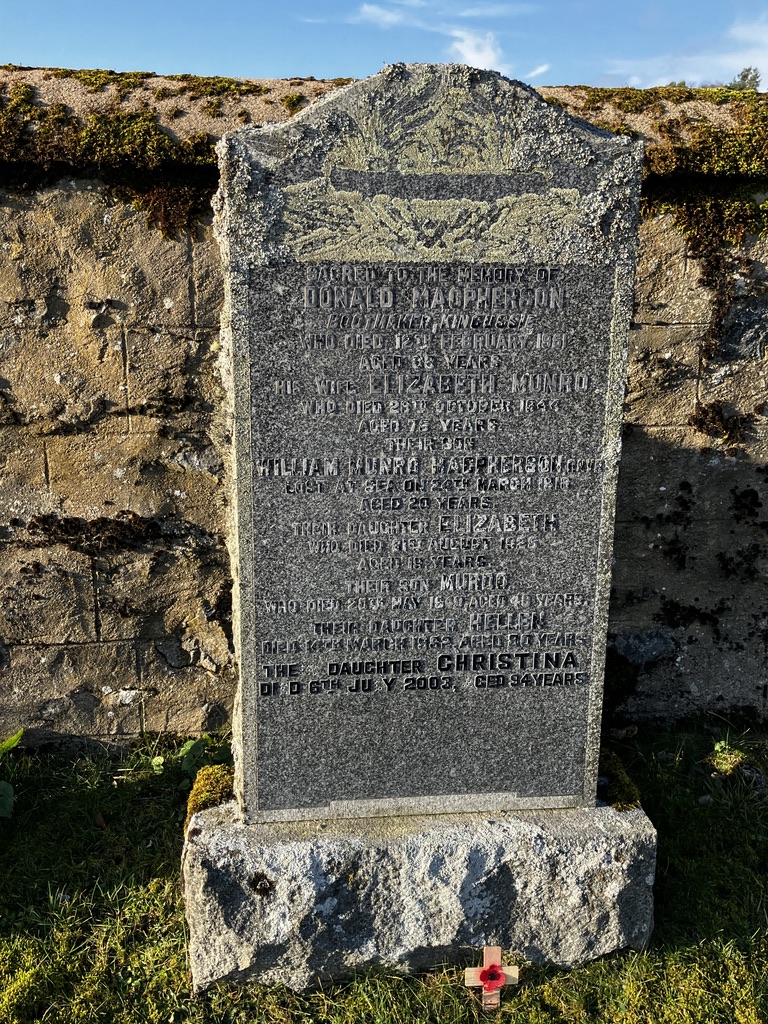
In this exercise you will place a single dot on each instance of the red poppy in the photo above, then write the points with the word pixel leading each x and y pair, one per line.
pixel 492 977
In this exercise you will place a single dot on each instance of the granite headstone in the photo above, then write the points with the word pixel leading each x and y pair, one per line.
pixel 428 290
pixel 430 278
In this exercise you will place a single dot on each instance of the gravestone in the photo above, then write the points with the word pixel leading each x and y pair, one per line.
pixel 429 279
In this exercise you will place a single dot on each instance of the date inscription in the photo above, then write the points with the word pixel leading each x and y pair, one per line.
pixel 413 451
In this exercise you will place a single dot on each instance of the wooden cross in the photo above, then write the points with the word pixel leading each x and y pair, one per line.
pixel 491 977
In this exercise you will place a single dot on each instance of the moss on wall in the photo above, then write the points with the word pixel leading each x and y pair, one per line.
pixel 198 86
pixel 712 175
pixel 97 79
pixel 31 133
pixel 706 158
pixel 172 180
pixel 131 131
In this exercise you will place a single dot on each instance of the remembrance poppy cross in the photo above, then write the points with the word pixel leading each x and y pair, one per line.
pixel 491 977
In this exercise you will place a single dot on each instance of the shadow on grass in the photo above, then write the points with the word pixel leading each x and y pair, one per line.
pixel 712 868
pixel 91 921
pixel 82 820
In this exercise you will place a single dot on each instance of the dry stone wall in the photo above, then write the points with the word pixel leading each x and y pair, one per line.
pixel 114 467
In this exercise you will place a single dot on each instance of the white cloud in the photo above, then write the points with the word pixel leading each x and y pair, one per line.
pixel 540 69
pixel 752 32
pixel 490 10
pixel 695 68
pixel 478 49
pixel 379 16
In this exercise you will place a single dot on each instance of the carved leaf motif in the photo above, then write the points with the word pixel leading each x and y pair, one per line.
pixel 434 130
pixel 337 225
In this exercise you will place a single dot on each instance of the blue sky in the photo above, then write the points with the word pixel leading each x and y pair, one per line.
pixel 544 42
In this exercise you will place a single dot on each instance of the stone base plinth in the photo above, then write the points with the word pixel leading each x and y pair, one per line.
pixel 302 902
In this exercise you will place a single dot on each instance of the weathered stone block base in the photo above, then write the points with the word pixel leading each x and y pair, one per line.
pixel 302 902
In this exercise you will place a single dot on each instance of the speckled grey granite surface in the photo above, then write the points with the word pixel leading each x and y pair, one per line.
pixel 428 286
pixel 297 903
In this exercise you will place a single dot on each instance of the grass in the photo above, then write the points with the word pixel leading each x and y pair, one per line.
pixel 92 927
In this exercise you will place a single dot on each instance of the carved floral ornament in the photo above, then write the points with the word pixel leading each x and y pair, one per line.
pixel 363 169
pixel 338 223
pixel 449 119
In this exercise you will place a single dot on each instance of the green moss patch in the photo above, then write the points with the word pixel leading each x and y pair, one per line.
pixel 198 86
pixel 98 79
pixel 173 180
pixel 213 785
pixel 293 101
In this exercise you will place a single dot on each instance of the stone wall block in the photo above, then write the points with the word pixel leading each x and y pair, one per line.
pixel 89 690
pixel 132 599
pixel 98 473
pixel 709 561
pixel 108 691
pixel 91 254
pixel 173 382
pixel 63 377
pixel 30 266
pixel 156 370
pixel 192 698
pixel 204 372
pixel 186 477
pixel 46 595
pixel 662 375
pixel 740 389
pixel 195 494
pixel 167 592
pixel 667 288
pixel 24 490
pixel 679 472
pixel 703 672
pixel 208 280
pixel 145 277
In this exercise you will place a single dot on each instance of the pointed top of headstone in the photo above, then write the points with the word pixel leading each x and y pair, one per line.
pixel 471 140
pixel 439 119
